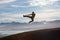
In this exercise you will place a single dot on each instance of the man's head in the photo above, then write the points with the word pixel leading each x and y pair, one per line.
pixel 32 12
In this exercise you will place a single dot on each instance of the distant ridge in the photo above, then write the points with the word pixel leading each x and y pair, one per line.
pixel 55 21
pixel 10 22
pixel 41 22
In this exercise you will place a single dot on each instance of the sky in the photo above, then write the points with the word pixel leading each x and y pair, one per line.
pixel 13 10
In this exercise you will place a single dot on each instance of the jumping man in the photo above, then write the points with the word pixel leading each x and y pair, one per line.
pixel 31 16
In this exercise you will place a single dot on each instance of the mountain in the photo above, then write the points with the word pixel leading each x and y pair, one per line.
pixel 41 22
pixel 22 23
pixel 55 21
pixel 11 23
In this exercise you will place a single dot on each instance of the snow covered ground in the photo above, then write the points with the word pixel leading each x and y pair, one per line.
pixel 9 29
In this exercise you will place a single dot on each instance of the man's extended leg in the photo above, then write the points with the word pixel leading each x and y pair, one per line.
pixel 25 16
pixel 32 19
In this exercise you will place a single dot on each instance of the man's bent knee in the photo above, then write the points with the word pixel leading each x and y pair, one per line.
pixel 30 21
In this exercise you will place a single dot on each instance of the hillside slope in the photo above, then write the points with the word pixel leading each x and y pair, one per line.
pixel 46 34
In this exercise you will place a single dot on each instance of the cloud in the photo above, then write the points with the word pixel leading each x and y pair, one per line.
pixel 6 1
pixel 1 7
pixel 32 3
pixel 48 15
pixel 9 17
pixel 19 6
pixel 41 2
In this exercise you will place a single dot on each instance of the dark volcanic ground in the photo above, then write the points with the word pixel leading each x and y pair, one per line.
pixel 44 34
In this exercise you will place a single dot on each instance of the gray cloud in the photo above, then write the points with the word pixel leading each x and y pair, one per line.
pixel 6 1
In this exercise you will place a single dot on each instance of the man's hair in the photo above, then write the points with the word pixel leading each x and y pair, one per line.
pixel 32 12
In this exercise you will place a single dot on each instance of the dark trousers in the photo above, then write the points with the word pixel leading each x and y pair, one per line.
pixel 32 19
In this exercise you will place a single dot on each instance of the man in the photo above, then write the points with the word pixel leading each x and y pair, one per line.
pixel 31 16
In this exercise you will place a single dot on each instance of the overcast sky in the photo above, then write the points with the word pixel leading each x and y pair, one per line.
pixel 13 10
